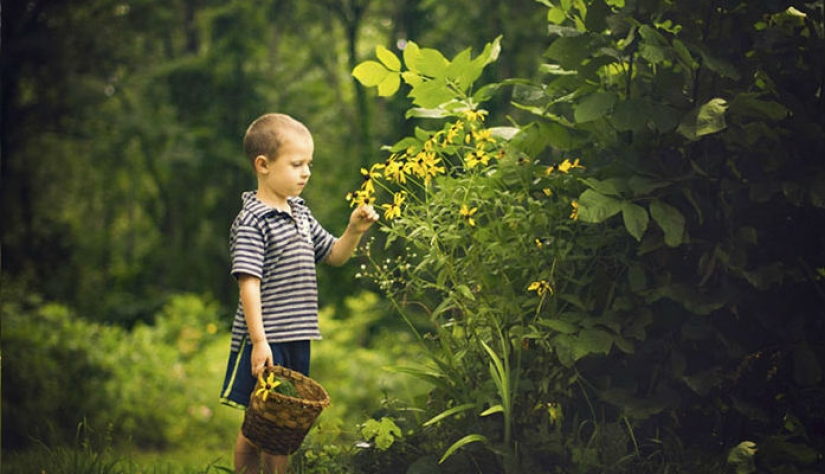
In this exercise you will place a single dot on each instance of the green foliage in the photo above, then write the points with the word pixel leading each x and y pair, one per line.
pixel 667 318
pixel 55 369
pixel 163 376
pixel 383 431
pixel 353 363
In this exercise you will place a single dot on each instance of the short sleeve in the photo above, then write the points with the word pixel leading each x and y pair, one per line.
pixel 247 249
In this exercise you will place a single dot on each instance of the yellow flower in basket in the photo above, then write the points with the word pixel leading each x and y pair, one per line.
pixel 267 386
pixel 273 384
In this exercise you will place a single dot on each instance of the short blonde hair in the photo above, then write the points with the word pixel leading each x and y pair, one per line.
pixel 266 133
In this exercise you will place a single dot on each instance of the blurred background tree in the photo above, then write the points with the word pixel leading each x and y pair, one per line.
pixel 122 124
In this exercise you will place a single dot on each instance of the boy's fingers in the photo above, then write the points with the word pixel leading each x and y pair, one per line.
pixel 368 212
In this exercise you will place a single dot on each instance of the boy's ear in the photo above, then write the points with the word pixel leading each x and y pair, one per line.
pixel 261 164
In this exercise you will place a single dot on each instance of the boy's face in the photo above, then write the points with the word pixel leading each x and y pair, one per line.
pixel 287 174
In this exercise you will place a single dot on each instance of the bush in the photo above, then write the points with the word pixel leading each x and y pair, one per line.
pixel 55 371
pixel 156 386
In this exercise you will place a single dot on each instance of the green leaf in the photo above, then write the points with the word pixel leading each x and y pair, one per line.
pixel 609 187
pixel 748 104
pixel 563 327
pixel 652 53
pixel 427 62
pixel 595 106
pixel 683 53
pixel 448 413
pixel 640 185
pixel 595 207
pixel 493 409
pixel 594 341
pixel 465 291
pixel 385 432
pixel 670 220
pixel 635 219
pixel 431 94
pixel 472 438
pixel 389 85
pixel 707 119
pixel 370 73
pixel 556 15
pixel 388 58
pixel 570 51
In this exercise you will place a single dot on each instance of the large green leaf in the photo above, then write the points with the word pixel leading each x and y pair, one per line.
pixel 595 207
pixel 389 85
pixel 426 61
pixel 432 93
pixel 670 220
pixel 595 106
pixel 388 58
pixel 569 51
pixel 558 325
pixel 610 187
pixel 370 73
pixel 593 341
pixel 706 119
pixel 635 219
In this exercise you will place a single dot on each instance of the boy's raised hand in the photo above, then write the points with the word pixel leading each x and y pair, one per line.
pixel 362 218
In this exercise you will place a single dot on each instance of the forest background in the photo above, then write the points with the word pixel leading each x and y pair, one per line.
pixel 694 327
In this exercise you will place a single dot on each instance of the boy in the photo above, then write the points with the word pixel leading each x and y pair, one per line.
pixel 275 243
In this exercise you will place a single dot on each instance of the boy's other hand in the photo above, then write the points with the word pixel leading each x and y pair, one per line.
pixel 261 357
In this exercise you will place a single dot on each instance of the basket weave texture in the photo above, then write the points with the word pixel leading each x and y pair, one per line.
pixel 279 424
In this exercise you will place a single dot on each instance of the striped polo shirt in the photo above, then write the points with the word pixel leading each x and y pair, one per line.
pixel 282 250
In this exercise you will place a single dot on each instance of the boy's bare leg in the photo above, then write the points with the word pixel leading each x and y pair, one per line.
pixel 247 457
pixel 275 464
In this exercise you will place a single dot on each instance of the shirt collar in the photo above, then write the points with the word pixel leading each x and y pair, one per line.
pixel 252 204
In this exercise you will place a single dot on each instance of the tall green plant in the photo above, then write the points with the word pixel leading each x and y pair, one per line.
pixel 489 250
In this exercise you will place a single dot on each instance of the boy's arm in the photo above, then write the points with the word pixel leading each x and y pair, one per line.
pixel 250 288
pixel 360 220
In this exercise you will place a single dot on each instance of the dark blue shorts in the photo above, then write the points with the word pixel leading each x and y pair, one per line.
pixel 239 382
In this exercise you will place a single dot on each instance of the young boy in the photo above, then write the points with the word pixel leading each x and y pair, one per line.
pixel 275 243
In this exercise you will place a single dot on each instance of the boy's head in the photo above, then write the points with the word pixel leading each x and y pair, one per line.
pixel 267 133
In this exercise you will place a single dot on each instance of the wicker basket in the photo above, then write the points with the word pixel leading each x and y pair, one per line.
pixel 279 424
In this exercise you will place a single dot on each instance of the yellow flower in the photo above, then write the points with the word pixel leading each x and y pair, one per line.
pixel 554 412
pixel 453 132
pixel 484 135
pixel 475 115
pixel 369 178
pixel 566 165
pixel 575 214
pixel 267 386
pixel 547 192
pixel 394 170
pixel 549 170
pixel 426 165
pixel 475 158
pixel 539 243
pixel 360 197
pixel 391 211
pixel 541 287
pixel 467 214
